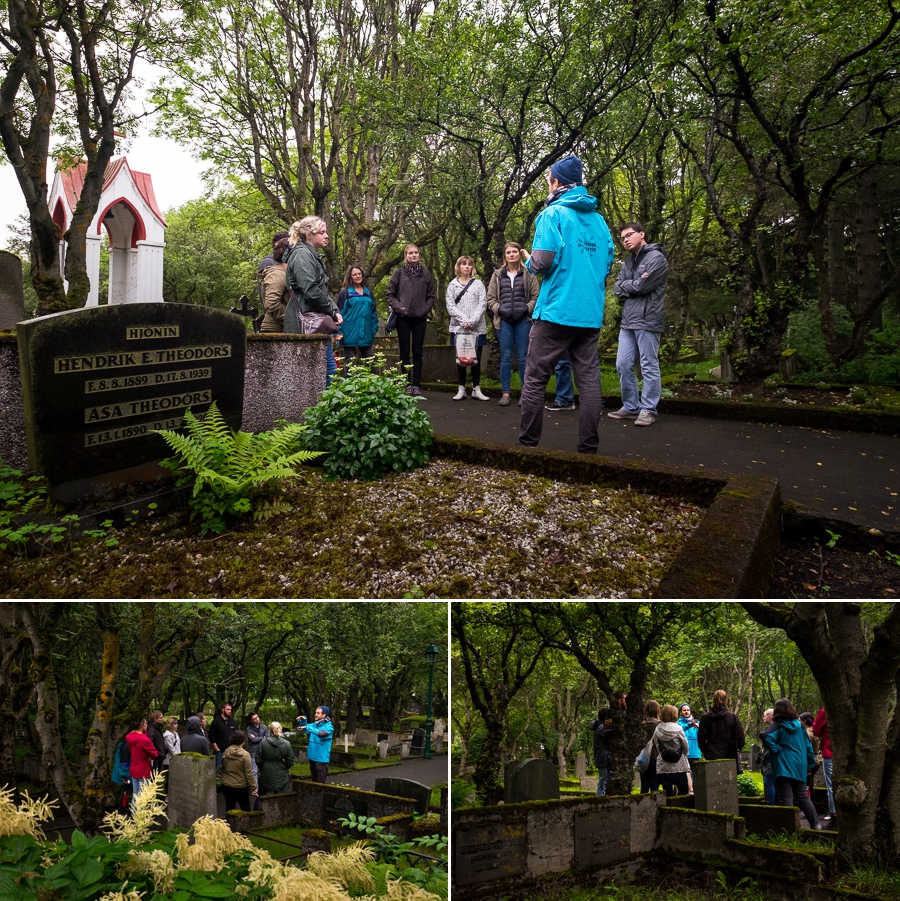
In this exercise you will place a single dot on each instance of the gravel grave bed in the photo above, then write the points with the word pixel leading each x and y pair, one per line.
pixel 446 530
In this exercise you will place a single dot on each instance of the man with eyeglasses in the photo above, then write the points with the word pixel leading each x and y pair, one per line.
pixel 641 284
pixel 572 254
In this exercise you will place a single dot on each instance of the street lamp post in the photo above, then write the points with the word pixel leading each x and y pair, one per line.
pixel 431 655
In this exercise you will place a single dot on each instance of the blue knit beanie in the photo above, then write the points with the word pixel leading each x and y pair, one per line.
pixel 325 710
pixel 568 171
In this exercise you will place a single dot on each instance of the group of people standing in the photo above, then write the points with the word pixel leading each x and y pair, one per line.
pixel 676 741
pixel 250 762
pixel 547 307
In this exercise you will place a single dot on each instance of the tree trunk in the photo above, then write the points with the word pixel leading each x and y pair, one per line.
pixel 858 685
pixel 352 708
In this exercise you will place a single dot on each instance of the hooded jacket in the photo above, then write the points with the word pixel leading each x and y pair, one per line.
pixel 690 727
pixel 790 748
pixel 255 734
pixel 573 253
pixel 820 729
pixel 195 742
pixel 307 278
pixel 274 759
pixel 142 752
pixel 320 735
pixel 275 295
pixel 641 285
pixel 670 737
pixel 602 736
pixel 720 735
pixel 237 770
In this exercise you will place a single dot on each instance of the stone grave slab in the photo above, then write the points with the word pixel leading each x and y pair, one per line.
pixel 715 786
pixel 602 837
pixel 406 788
pixel 12 296
pixel 580 765
pixel 530 780
pixel 489 852
pixel 335 806
pixel 589 783
pixel 96 382
pixel 192 789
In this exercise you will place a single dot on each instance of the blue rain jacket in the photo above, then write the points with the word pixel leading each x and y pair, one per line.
pixel 320 736
pixel 791 750
pixel 690 733
pixel 573 285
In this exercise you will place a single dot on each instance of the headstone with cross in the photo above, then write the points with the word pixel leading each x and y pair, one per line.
pixel 246 310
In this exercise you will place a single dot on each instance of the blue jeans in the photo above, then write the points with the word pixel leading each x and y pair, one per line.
pixel 601 784
pixel 827 770
pixel 634 343
pixel 218 759
pixel 330 369
pixel 513 336
pixel 565 390
pixel 138 786
pixel 769 788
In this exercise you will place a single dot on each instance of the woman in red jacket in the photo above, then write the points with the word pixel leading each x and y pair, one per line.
pixel 820 730
pixel 142 752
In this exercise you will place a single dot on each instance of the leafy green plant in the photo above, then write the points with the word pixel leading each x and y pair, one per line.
pixel 19 497
pixel 833 538
pixel 368 426
pixel 388 847
pixel 232 471
pixel 747 786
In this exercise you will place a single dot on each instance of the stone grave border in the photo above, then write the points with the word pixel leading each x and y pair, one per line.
pixel 528 844
pixel 303 805
pixel 732 552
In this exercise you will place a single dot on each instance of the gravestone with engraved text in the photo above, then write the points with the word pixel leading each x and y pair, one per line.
pixel 489 852
pixel 715 786
pixel 406 788
pixel 97 382
pixel 335 806
pixel 602 836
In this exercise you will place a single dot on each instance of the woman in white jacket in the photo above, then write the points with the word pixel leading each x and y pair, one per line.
pixel 466 303
pixel 672 765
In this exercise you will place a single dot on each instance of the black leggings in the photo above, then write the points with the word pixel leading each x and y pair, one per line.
pixel 412 331
pixel 475 367
pixel 792 793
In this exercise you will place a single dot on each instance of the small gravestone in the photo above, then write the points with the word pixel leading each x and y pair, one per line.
pixel 754 758
pixel 382 736
pixel 406 788
pixel 12 296
pixel 382 749
pixel 589 784
pixel 715 786
pixel 439 745
pixel 98 382
pixel 530 780
pixel 440 727
pixel 335 806
pixel 602 837
pixel 315 840
pixel 418 743
pixel 192 789
pixel 486 853
pixel 404 750
pixel 580 765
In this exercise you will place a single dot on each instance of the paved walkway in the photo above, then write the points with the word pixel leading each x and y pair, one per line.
pixel 429 772
pixel 849 476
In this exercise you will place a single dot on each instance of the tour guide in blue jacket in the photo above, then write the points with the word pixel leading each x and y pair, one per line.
pixel 320 734
pixel 572 252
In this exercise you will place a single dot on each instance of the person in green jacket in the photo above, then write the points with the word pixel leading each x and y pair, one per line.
pixel 274 757
pixel 572 254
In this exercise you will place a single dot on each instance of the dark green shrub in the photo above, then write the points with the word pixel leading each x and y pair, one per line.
pixel 368 426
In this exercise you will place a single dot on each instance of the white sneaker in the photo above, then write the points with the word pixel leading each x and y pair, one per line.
pixel 460 394
pixel 477 395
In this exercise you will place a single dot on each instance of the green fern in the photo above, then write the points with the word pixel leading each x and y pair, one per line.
pixel 232 470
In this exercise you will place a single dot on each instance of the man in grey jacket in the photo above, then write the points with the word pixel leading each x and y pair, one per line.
pixel 641 284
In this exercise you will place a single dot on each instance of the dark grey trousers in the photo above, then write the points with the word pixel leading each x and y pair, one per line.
pixel 547 343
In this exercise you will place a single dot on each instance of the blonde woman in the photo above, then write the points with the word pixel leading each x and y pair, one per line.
pixel 308 280
pixel 275 758
pixel 466 303
pixel 172 739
